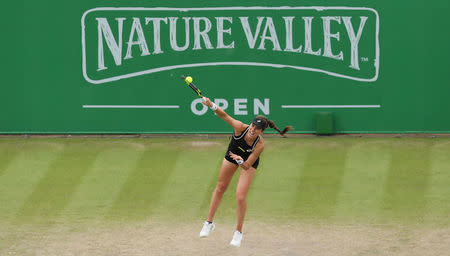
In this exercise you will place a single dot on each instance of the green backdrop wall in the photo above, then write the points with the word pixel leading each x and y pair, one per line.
pixel 114 66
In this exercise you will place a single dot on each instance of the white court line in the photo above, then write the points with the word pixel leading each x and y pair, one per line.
pixel 330 106
pixel 131 106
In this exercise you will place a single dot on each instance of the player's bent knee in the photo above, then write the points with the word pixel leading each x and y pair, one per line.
pixel 240 198
pixel 221 188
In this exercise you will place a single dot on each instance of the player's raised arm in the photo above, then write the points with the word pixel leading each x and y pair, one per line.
pixel 238 126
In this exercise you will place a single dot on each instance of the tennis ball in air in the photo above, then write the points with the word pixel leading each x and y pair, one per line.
pixel 188 80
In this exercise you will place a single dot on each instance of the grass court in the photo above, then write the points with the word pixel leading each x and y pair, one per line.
pixel 149 196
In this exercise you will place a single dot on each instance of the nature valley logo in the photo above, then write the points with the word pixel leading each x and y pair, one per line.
pixel 119 43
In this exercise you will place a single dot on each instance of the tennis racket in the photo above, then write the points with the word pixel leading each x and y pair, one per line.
pixel 194 88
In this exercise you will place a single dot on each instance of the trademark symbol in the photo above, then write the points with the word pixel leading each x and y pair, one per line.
pixel 365 59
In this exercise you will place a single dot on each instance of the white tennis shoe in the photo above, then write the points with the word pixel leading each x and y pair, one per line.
pixel 207 229
pixel 237 238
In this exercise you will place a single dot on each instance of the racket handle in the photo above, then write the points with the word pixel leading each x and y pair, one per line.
pixel 204 99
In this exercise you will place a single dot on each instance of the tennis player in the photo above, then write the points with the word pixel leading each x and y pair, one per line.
pixel 244 149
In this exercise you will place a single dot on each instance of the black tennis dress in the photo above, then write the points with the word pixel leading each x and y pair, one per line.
pixel 239 146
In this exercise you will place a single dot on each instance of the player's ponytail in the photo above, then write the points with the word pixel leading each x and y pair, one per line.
pixel 273 126
pixel 270 123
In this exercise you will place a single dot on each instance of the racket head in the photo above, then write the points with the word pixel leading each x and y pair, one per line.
pixel 193 87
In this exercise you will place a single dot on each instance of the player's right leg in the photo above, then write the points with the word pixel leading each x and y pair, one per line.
pixel 225 175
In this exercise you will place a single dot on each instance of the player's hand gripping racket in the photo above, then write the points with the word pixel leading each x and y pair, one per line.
pixel 188 81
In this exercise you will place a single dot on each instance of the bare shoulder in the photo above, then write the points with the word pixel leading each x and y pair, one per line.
pixel 238 130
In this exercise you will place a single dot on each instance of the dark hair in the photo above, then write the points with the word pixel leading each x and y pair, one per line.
pixel 271 124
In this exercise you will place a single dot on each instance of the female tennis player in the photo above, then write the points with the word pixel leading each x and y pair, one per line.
pixel 244 149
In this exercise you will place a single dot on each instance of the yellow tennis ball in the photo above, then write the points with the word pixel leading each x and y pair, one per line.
pixel 188 80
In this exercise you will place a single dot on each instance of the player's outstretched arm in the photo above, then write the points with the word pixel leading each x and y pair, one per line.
pixel 237 125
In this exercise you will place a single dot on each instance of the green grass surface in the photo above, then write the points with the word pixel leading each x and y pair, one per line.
pixel 311 179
